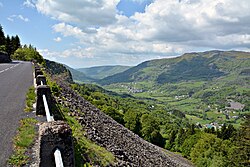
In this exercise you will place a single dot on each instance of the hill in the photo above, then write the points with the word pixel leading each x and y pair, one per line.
pixel 188 67
pixel 204 86
pixel 163 119
pixel 101 72
pixel 79 76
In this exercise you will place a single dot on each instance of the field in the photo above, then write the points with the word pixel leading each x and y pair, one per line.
pixel 203 102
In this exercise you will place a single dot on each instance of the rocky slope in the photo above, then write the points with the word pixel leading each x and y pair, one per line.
pixel 128 148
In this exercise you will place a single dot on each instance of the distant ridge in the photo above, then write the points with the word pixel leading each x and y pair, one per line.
pixel 190 66
pixel 100 72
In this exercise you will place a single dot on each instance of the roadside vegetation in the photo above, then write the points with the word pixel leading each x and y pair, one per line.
pixel 26 134
pixel 30 99
pixel 23 141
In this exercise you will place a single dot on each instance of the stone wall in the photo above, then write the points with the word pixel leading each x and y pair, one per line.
pixel 4 58
pixel 128 148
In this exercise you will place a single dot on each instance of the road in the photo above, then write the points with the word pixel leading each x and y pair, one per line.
pixel 15 79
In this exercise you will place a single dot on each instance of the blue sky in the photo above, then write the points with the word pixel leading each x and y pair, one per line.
pixel 126 32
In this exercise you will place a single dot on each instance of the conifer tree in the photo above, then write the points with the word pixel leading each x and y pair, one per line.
pixel 15 41
pixel 8 45
pixel 2 39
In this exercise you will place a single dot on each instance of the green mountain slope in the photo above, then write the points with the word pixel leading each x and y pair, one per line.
pixel 101 72
pixel 79 76
pixel 188 67
pixel 208 87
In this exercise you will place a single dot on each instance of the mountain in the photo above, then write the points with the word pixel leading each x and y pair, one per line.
pixel 188 67
pixel 101 72
pixel 58 70
pixel 79 76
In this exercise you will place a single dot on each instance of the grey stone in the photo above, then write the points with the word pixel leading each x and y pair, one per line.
pixel 40 78
pixel 43 90
pixel 53 135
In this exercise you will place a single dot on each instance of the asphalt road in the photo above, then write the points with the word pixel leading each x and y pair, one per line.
pixel 15 79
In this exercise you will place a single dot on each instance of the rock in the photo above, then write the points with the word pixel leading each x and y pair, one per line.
pixel 128 148
pixel 53 135
pixel 4 58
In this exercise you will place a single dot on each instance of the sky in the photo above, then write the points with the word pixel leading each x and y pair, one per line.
pixel 85 33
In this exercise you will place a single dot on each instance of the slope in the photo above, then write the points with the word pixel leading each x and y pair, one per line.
pixel 188 67
pixel 79 76
pixel 101 72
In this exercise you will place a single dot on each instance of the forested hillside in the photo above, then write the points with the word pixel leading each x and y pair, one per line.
pixel 188 67
pixel 170 128
pixel 101 72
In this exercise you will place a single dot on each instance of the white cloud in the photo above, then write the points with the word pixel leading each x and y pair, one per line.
pixel 68 30
pixel 141 1
pixel 168 27
pixel 29 3
pixel 84 13
pixel 20 17
pixel 1 4
pixel 57 39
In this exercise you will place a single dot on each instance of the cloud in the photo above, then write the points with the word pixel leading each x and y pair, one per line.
pixel 1 4
pixel 167 27
pixel 84 13
pixel 57 39
pixel 20 17
pixel 68 30
pixel 141 1
pixel 29 3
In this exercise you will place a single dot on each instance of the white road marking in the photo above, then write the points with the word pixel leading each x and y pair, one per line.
pixel 9 68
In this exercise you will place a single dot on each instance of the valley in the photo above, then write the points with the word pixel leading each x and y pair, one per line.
pixel 197 104
pixel 200 85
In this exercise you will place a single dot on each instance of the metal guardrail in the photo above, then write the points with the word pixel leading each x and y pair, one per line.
pixel 57 153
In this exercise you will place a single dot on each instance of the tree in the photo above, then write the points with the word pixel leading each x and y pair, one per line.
pixel 2 37
pixel 180 138
pixel 242 142
pixel 116 115
pixel 226 132
pixel 8 45
pixel 151 130
pixel 170 142
pixel 15 41
pixel 27 54
pixel 189 143
pixel 208 151
pixel 132 121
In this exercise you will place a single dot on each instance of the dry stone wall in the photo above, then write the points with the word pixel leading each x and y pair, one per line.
pixel 128 148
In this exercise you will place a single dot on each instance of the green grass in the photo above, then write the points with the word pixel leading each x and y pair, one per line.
pixel 24 139
pixel 86 151
pixel 30 99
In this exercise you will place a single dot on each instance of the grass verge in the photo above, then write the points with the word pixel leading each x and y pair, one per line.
pixel 30 99
pixel 23 140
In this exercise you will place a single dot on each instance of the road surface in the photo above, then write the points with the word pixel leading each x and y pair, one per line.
pixel 15 79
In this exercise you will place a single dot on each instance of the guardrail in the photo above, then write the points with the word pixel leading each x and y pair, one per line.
pixel 57 153
pixel 43 108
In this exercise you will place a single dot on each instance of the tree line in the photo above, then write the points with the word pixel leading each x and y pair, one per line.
pixel 11 45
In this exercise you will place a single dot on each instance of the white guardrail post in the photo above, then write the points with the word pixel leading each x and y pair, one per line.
pixel 58 158
pixel 57 153
pixel 48 116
